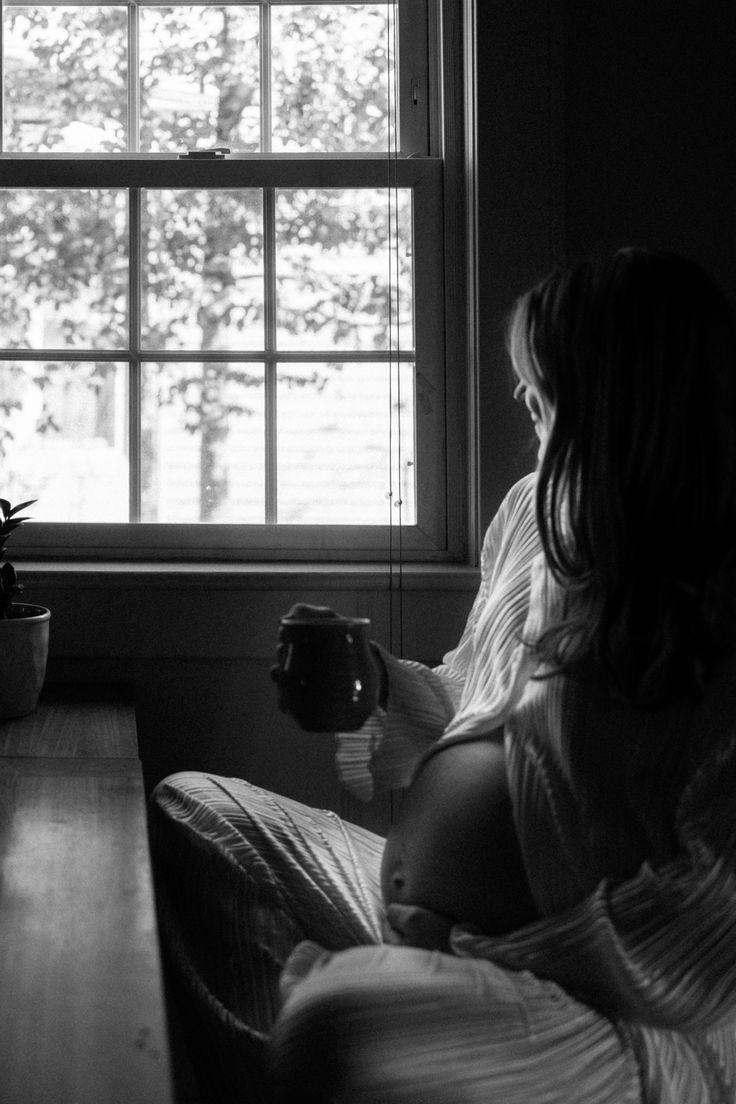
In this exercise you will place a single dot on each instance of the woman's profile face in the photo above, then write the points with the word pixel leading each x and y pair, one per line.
pixel 540 410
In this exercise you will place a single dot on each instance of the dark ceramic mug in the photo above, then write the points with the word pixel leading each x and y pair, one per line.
pixel 326 675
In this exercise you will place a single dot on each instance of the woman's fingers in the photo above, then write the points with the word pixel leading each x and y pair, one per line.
pixel 413 926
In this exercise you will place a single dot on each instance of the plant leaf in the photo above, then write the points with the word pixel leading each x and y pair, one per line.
pixel 20 506
pixel 4 506
pixel 9 526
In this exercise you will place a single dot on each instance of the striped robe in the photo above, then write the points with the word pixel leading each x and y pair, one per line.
pixel 624 990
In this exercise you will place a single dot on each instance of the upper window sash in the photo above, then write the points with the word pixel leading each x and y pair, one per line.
pixel 412 96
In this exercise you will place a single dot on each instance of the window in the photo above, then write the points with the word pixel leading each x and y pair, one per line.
pixel 239 353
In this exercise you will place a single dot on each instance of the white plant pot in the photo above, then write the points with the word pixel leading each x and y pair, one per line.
pixel 24 646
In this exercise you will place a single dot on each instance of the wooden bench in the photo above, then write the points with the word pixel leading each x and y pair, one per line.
pixel 83 1016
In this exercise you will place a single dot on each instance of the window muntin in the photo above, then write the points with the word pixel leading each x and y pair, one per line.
pixel 414 371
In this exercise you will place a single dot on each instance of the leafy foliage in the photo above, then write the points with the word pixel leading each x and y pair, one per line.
pixel 9 585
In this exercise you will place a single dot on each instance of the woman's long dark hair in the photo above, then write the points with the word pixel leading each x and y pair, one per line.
pixel 636 496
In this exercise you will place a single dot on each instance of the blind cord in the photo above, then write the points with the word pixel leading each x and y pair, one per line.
pixel 395 501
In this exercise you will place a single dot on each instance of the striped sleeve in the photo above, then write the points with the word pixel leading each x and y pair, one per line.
pixel 383 754
pixel 659 948
pixel 510 545
pixel 495 655
pixel 422 701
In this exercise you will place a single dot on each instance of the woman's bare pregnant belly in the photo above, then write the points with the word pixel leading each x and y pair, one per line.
pixel 453 847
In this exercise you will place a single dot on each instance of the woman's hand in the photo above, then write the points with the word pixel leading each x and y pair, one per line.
pixel 412 926
pixel 304 610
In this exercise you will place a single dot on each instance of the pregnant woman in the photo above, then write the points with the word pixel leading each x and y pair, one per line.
pixel 551 918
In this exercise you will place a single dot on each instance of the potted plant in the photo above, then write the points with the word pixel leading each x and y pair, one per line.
pixel 24 630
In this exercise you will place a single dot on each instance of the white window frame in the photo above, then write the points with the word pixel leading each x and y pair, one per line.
pixel 430 161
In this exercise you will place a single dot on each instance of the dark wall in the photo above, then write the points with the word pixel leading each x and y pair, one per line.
pixel 650 129
pixel 600 125
pixel 520 184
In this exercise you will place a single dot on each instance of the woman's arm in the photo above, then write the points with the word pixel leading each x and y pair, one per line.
pixel 419 701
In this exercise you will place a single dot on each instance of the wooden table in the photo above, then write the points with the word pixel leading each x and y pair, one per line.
pixel 82 1017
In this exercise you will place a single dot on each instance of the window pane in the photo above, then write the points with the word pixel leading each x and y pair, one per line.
pixel 342 280
pixel 63 268
pixel 203 443
pixel 335 445
pixel 64 78
pixel 200 81
pixel 203 269
pixel 331 77
pixel 64 438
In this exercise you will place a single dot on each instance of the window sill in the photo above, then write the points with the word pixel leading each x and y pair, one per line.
pixel 248 576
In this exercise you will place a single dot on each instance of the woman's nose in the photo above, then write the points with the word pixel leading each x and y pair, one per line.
pixel 533 406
